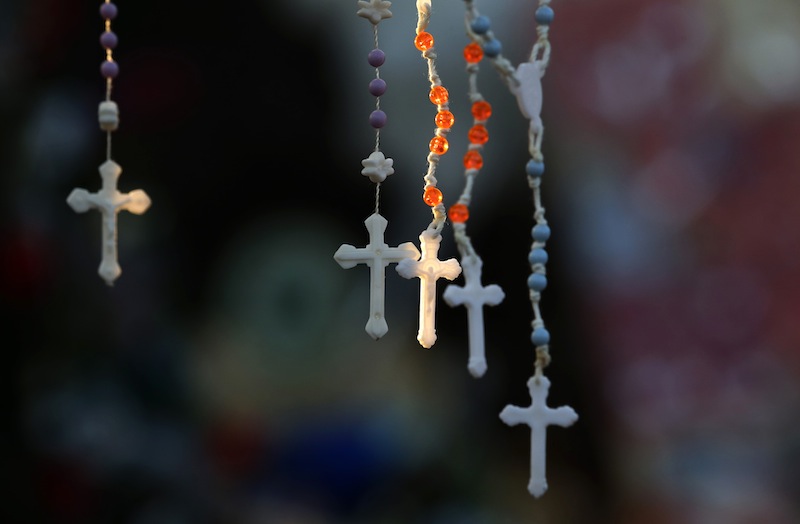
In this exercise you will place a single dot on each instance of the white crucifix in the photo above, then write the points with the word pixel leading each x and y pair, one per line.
pixel 377 255
pixel 109 201
pixel 474 296
pixel 428 269
pixel 538 416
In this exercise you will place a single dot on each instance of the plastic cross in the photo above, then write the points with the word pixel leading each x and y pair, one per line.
pixel 474 296
pixel 377 255
pixel 109 202
pixel 538 416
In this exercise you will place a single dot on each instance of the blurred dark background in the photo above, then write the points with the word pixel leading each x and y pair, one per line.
pixel 226 377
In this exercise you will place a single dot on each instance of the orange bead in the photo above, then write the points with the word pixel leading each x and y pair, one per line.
pixel 439 145
pixel 432 196
pixel 481 110
pixel 444 119
pixel 473 160
pixel 458 213
pixel 473 53
pixel 478 134
pixel 423 41
pixel 439 95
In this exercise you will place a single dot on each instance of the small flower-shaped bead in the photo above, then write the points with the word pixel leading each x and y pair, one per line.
pixel 374 10
pixel 377 167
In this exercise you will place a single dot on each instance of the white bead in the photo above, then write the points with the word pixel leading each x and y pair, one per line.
pixel 108 115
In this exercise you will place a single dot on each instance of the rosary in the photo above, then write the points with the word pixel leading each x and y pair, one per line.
pixel 524 82
pixel 108 200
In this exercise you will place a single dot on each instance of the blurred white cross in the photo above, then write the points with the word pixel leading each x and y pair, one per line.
pixel 538 416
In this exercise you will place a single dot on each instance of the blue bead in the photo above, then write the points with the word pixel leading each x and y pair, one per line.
pixel 540 336
pixel 537 281
pixel 544 15
pixel 537 256
pixel 534 168
pixel 481 25
pixel 492 48
pixel 540 232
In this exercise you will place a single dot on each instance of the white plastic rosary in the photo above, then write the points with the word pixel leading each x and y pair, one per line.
pixel 377 254
pixel 525 82
pixel 108 200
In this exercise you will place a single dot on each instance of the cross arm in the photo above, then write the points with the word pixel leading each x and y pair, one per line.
pixel 513 415
pixel 563 416
pixel 137 202
pixel 347 256
pixel 81 200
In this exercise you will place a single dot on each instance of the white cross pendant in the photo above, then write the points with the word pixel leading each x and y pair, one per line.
pixel 538 416
pixel 377 255
pixel 474 296
pixel 428 269
pixel 109 202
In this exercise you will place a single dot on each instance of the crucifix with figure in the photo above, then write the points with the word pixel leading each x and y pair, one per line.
pixel 428 269
pixel 377 255
pixel 538 416
pixel 109 201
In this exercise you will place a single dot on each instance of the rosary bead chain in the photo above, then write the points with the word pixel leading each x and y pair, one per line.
pixel 444 119
pixel 478 136
pixel 480 31
pixel 108 112
pixel 377 167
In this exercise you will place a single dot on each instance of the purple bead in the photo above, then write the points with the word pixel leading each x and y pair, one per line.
pixel 108 40
pixel 376 57
pixel 109 69
pixel 108 10
pixel 377 87
pixel 377 119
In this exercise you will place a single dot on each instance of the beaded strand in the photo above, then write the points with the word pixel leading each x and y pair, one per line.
pixel 478 136
pixel 444 119
pixel 377 167
pixel 109 69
